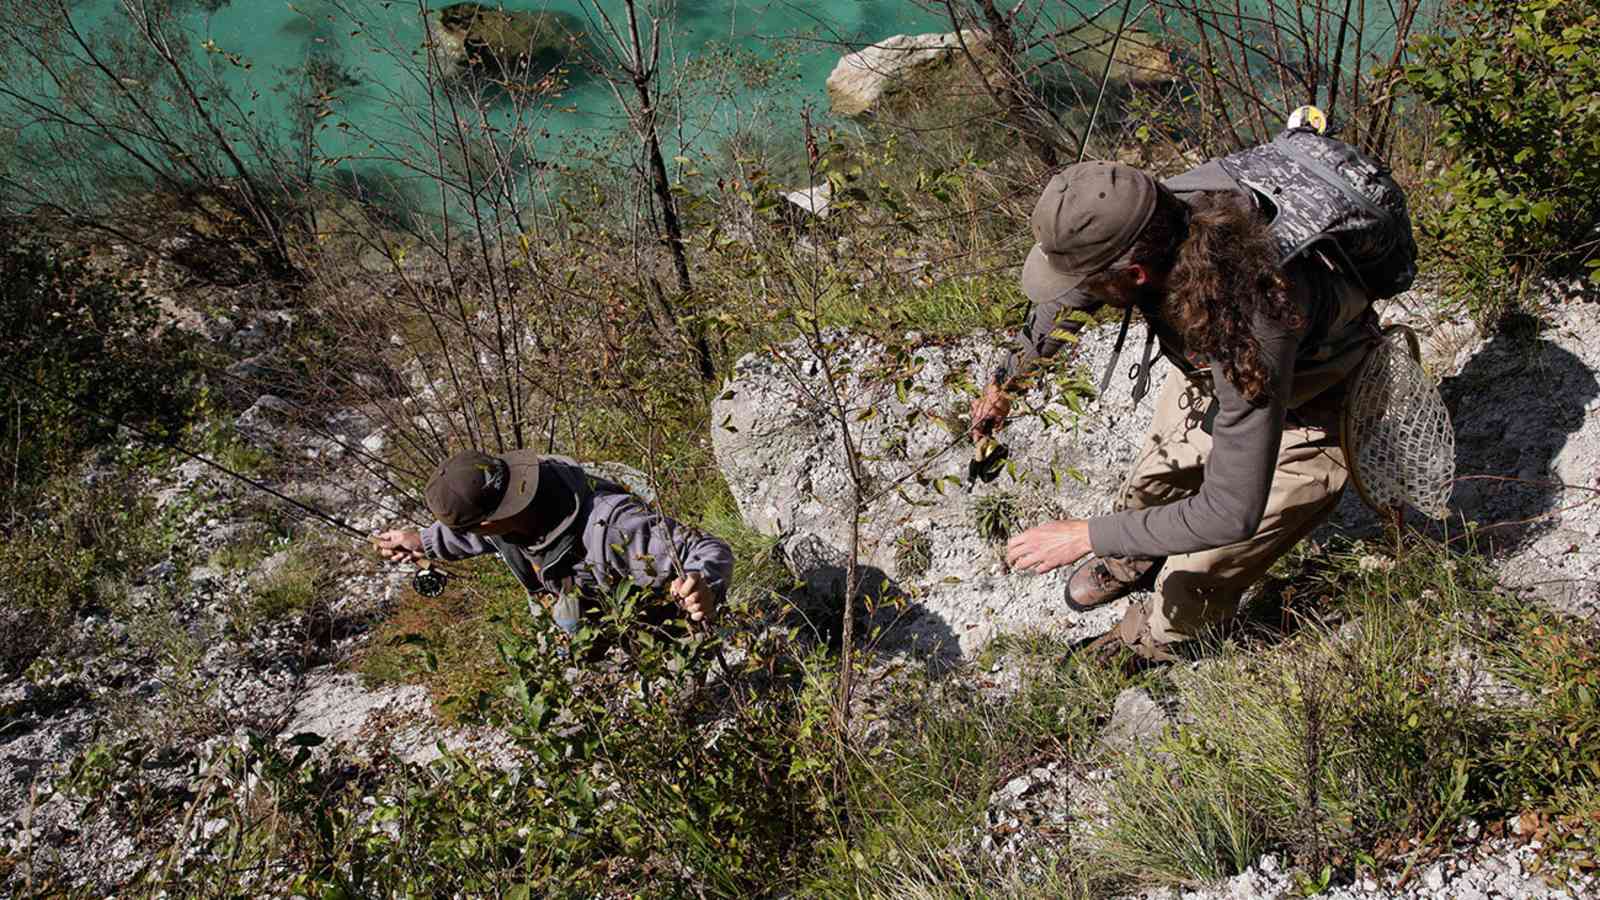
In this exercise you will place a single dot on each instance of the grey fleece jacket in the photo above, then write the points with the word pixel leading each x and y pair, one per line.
pixel 609 536
pixel 1302 364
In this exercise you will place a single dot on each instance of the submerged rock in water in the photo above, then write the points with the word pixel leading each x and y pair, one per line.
pixel 1142 60
pixel 514 44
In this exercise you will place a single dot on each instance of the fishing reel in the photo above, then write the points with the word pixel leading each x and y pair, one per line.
pixel 429 581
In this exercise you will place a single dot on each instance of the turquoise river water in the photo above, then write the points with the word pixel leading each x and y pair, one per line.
pixel 737 62
pixel 768 54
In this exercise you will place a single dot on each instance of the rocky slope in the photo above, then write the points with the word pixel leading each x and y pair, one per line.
pixel 1526 404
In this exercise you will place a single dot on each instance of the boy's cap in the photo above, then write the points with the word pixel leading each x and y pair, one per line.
pixel 473 487
pixel 1089 215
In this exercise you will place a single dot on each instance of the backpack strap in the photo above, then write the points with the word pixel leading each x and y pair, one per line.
pixel 1116 352
pixel 1141 378
pixel 1141 372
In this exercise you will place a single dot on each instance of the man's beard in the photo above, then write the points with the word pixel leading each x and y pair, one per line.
pixel 1154 302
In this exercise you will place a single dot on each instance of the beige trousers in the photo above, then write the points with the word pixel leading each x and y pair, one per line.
pixel 1198 589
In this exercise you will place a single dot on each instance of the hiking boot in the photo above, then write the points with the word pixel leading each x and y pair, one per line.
pixel 1095 583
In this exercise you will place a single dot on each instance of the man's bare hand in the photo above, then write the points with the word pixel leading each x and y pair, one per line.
pixel 989 411
pixel 399 546
pixel 1045 548
pixel 695 596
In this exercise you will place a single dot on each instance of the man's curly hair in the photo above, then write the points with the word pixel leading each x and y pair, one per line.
pixel 1226 274
pixel 1223 271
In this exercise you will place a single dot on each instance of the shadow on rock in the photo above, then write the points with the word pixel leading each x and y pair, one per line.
pixel 1519 406
pixel 888 619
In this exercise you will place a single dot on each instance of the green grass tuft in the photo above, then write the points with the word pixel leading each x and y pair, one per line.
pixel 301 580
pixel 996 517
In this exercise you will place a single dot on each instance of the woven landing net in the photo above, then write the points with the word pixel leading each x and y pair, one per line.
pixel 1397 432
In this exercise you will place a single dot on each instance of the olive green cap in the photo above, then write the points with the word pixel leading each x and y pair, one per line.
pixel 473 487
pixel 1088 216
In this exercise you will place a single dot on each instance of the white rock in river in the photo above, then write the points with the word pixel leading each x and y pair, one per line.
pixel 864 77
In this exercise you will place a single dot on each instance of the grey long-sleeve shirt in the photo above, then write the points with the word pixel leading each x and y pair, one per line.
pixel 618 537
pixel 1301 364
pixel 1238 471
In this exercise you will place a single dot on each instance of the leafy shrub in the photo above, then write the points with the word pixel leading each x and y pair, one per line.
pixel 1514 85
pixel 97 537
pixel 75 342
pixel 672 777
pixel 653 767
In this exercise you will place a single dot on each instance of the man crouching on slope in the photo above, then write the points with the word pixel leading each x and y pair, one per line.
pixel 1242 459
pixel 566 535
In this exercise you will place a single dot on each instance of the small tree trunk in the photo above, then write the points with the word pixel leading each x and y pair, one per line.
pixel 852 584
pixel 674 230
pixel 641 74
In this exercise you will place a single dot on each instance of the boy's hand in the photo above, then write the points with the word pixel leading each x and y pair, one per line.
pixel 695 596
pixel 399 546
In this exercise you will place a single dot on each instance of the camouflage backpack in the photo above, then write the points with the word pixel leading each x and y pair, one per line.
pixel 1324 192
pixel 1322 195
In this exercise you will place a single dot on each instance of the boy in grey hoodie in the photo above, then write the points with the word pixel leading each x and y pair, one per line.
pixel 564 533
